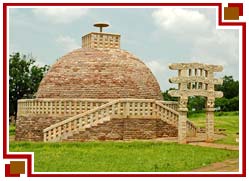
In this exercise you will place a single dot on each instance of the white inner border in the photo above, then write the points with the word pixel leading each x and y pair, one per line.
pixel 217 27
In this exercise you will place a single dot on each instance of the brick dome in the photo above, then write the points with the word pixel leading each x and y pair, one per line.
pixel 99 74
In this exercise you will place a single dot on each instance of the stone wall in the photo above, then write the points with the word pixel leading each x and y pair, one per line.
pixel 125 129
pixel 30 127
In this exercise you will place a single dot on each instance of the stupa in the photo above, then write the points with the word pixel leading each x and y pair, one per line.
pixel 99 70
pixel 98 92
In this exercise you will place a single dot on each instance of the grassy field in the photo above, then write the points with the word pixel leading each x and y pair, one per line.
pixel 120 156
pixel 223 120
pixel 137 156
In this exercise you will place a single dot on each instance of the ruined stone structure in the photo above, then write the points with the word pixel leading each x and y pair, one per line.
pixel 195 79
pixel 98 92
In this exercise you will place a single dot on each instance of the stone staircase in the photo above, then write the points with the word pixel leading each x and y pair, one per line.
pixel 78 135
pixel 73 128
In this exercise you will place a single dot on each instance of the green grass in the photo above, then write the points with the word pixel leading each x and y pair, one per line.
pixel 224 120
pixel 120 156
pixel 131 156
pixel 12 129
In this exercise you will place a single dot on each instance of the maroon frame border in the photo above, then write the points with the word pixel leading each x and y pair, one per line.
pixel 29 157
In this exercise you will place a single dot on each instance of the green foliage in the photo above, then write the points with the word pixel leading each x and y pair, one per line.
pixel 24 79
pixel 12 130
pixel 230 87
pixel 228 104
pixel 167 97
pixel 197 103
pixel 223 120
pixel 120 156
pixel 230 100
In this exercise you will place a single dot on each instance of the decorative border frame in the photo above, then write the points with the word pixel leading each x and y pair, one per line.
pixel 28 157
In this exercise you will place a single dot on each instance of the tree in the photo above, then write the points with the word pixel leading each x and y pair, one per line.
pixel 221 103
pixel 230 87
pixel 24 79
pixel 167 97
pixel 227 104
pixel 196 102
pixel 230 99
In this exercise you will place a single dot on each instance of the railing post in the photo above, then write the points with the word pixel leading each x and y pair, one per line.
pixel 113 109
pixel 119 108
pixel 69 111
pixel 51 106
pixel 126 109
pixel 153 109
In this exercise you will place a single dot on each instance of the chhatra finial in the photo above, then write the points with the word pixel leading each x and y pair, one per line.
pixel 101 25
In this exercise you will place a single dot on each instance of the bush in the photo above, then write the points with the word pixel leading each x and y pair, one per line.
pixel 227 104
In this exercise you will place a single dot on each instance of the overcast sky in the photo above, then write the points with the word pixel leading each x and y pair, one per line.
pixel 157 36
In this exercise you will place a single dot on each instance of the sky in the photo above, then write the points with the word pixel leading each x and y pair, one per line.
pixel 158 36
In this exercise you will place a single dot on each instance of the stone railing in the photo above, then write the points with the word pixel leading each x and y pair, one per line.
pixel 170 104
pixel 166 113
pixel 101 40
pixel 123 108
pixel 58 106
pixel 66 107
pixel 191 129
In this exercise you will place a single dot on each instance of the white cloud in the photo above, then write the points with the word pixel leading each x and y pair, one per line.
pixel 181 21
pixel 220 48
pixel 67 43
pixel 203 42
pixel 59 15
pixel 156 67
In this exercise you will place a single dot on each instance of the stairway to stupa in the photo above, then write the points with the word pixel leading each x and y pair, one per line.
pixel 119 119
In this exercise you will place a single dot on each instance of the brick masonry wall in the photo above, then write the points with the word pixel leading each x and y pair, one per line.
pixel 30 128
pixel 126 129
pixel 99 74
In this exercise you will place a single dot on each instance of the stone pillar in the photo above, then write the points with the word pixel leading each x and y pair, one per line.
pixel 210 120
pixel 182 122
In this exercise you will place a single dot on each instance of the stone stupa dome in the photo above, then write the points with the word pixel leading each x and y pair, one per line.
pixel 99 70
